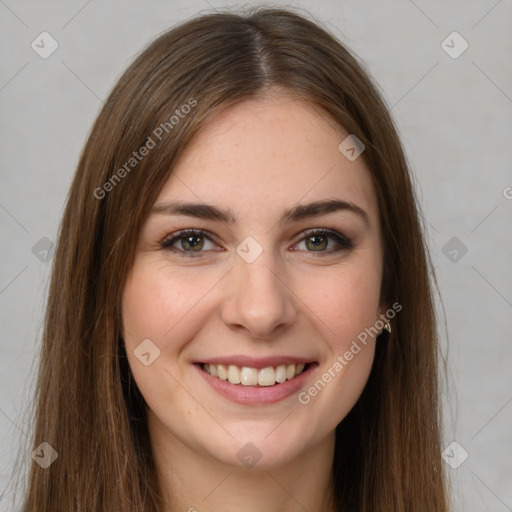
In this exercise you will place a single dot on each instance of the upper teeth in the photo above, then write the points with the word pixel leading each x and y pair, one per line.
pixel 252 376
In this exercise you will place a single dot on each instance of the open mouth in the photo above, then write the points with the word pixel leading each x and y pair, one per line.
pixel 258 377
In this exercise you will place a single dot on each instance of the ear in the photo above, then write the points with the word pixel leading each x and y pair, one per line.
pixel 382 314
pixel 383 307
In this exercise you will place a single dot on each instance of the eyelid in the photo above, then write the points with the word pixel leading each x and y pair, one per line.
pixel 167 242
pixel 344 243
pixel 341 239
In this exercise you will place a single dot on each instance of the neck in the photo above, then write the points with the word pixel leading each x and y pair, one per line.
pixel 192 480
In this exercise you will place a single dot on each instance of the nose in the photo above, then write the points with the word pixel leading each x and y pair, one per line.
pixel 258 300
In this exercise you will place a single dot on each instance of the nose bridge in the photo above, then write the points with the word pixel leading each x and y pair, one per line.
pixel 258 299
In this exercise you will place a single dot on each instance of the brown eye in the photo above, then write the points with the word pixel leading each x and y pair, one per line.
pixel 192 242
pixel 319 241
pixel 187 242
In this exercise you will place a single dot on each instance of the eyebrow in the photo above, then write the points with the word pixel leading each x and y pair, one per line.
pixel 294 214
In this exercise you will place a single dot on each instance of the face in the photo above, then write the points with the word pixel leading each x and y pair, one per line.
pixel 280 269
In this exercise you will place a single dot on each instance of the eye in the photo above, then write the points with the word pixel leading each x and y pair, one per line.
pixel 317 240
pixel 191 242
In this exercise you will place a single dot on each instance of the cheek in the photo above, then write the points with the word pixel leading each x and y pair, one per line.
pixel 348 306
pixel 347 302
pixel 153 304
pixel 165 306
pixel 161 306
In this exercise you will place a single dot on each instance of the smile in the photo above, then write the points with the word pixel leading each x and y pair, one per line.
pixel 247 376
pixel 256 381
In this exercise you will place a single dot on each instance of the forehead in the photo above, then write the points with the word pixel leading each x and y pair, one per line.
pixel 261 155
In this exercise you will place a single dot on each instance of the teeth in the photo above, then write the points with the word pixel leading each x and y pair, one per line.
pixel 252 376
pixel 248 376
pixel 267 376
pixel 281 373
pixel 233 374
pixel 221 370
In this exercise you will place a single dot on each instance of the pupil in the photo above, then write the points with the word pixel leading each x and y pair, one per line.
pixel 190 243
pixel 320 240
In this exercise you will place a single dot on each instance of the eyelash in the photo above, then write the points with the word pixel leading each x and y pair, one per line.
pixel 343 242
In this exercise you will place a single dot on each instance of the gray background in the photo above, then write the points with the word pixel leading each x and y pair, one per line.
pixel 455 119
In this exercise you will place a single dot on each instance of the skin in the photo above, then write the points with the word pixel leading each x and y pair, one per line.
pixel 257 158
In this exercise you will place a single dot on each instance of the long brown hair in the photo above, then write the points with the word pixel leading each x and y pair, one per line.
pixel 87 406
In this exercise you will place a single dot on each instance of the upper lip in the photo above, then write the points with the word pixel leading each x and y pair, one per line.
pixel 255 362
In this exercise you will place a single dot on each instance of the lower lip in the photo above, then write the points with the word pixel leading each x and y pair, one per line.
pixel 257 395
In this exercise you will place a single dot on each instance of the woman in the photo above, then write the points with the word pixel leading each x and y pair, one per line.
pixel 240 315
